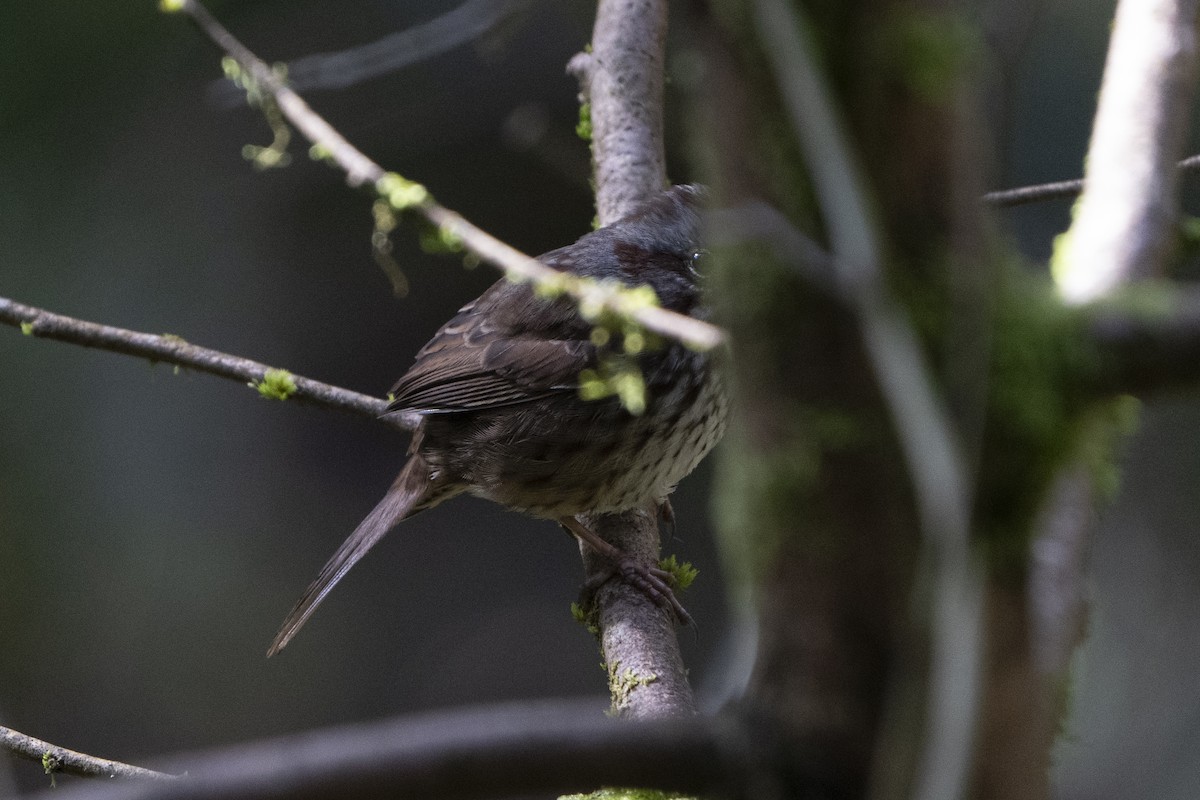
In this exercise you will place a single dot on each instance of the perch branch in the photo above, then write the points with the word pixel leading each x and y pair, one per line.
pixel 406 195
pixel 59 759
pixel 173 350
pixel 622 79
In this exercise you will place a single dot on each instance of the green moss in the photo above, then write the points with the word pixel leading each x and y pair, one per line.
pixel 439 240
pixel 402 193
pixel 614 793
pixel 587 617
pixel 583 128
pixel 1037 406
pixel 682 572
pixel 277 384
pixel 623 683
pixel 51 764
pixel 781 484
pixel 27 328
pixel 615 375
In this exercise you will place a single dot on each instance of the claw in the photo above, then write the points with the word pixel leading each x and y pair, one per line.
pixel 652 581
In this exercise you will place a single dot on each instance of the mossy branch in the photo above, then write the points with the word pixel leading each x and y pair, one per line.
pixel 270 382
pixel 406 195
pixel 55 759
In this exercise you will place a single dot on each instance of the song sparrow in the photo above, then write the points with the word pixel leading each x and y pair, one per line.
pixel 496 393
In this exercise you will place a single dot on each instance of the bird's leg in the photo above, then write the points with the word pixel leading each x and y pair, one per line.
pixel 651 581
pixel 666 518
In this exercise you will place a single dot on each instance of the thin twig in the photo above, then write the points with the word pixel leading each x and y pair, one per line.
pixel 344 68
pixel 405 195
pixel 59 759
pixel 174 350
pixel 1058 190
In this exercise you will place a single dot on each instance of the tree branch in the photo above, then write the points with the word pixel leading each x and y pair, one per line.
pixel 1146 343
pixel 923 426
pixel 59 759
pixel 505 751
pixel 174 350
pixel 1122 229
pixel 344 68
pixel 646 675
pixel 405 195
pixel 1059 190
pixel 622 80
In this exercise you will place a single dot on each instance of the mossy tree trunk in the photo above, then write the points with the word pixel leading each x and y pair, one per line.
pixel 819 506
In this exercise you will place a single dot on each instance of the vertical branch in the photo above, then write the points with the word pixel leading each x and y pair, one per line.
pixel 1124 220
pixel 622 81
pixel 1123 231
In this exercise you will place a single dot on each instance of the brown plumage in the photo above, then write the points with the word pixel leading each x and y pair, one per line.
pixel 497 394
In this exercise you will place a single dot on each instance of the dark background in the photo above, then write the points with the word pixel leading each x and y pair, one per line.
pixel 155 528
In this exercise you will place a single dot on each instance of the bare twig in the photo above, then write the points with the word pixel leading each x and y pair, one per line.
pixel 173 350
pixel 1122 228
pixel 59 759
pixel 1058 190
pixel 518 750
pixel 406 195
pixel 393 52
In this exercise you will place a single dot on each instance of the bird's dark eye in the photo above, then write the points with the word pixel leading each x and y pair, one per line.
pixel 694 261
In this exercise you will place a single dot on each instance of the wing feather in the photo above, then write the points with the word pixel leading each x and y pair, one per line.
pixel 506 347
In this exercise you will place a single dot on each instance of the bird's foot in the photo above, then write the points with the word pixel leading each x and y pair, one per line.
pixel 652 581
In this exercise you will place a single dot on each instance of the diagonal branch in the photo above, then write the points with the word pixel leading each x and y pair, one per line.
pixel 1123 225
pixel 173 350
pixel 405 195
pixel 59 759
pixel 468 22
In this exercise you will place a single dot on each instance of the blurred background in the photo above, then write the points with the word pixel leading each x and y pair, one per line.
pixel 155 527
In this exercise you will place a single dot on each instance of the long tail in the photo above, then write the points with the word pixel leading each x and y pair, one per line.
pixel 411 492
